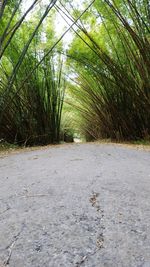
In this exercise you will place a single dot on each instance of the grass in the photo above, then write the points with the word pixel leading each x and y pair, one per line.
pixel 142 142
pixel 4 146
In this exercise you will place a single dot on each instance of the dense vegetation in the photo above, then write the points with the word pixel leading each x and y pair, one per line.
pixel 98 86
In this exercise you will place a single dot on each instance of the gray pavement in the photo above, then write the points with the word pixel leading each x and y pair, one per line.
pixel 77 205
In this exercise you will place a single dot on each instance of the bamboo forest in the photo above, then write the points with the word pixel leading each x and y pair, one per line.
pixel 74 68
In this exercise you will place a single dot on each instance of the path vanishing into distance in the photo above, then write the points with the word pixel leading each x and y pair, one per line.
pixel 75 205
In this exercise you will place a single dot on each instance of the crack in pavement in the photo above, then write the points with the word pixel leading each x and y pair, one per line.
pixel 100 238
pixel 9 248
pixel 95 203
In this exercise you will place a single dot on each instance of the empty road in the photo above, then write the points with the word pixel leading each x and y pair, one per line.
pixel 75 205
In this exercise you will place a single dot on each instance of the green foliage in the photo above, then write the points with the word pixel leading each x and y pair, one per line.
pixel 31 84
pixel 108 67
pixel 34 114
pixel 113 65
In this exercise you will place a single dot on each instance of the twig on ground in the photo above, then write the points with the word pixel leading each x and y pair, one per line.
pixel 37 195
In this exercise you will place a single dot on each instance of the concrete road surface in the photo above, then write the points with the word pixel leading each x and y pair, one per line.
pixel 77 205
